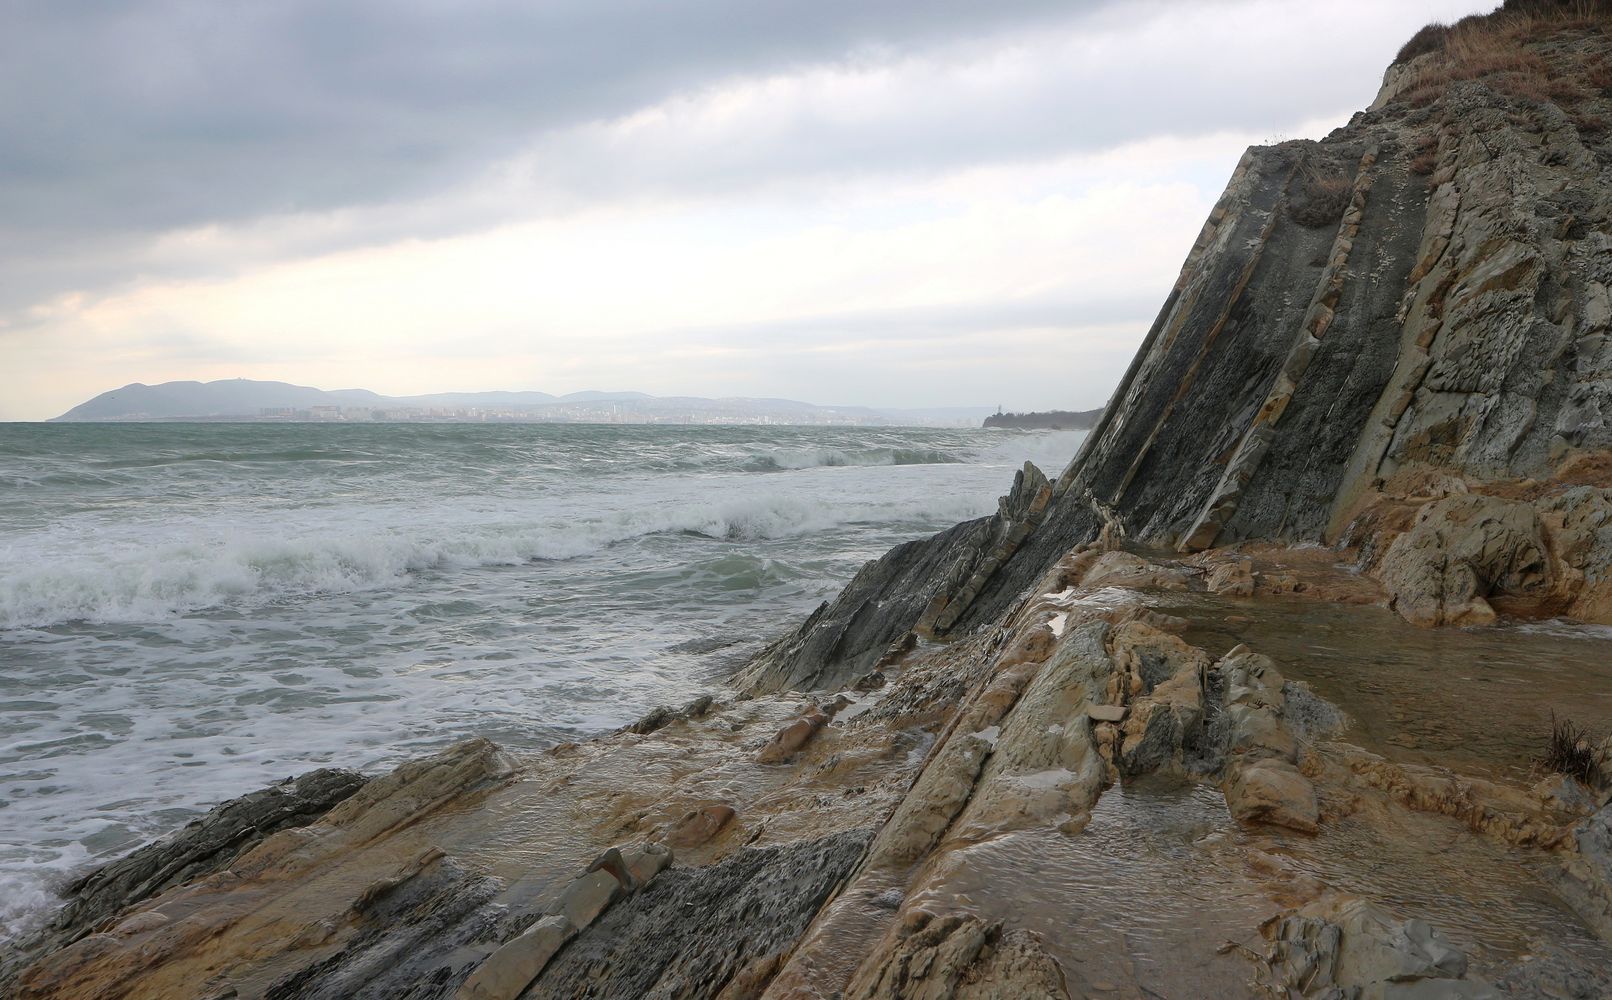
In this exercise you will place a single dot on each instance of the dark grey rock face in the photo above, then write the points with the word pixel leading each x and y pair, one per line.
pixel 693 930
pixel 844 638
pixel 927 585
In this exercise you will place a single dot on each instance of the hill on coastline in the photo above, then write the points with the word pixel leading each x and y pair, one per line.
pixel 1049 420
pixel 250 399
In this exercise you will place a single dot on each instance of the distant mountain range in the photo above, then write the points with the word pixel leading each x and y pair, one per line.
pixel 249 399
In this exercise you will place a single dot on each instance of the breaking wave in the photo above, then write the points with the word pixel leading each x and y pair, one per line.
pixel 148 582
pixel 833 458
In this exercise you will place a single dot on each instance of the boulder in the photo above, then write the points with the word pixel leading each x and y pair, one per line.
pixel 1232 579
pixel 696 826
pixel 1105 713
pixel 1461 551
pixel 1345 948
pixel 1272 791
pixel 788 740
pixel 1585 879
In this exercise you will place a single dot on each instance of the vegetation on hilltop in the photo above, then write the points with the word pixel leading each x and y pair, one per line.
pixel 1502 48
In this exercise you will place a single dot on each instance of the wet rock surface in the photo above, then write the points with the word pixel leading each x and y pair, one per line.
pixel 1351 948
pixel 205 846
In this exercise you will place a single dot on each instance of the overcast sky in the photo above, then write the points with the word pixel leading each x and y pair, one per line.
pixel 880 202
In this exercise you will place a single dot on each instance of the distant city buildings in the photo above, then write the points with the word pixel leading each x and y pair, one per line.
pixel 636 412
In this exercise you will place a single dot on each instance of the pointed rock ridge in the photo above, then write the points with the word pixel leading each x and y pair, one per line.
pixel 923 587
pixel 1427 289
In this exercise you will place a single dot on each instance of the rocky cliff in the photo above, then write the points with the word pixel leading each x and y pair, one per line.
pixel 1165 725
pixel 1416 304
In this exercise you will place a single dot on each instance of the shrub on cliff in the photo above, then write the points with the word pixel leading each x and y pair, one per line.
pixel 1496 47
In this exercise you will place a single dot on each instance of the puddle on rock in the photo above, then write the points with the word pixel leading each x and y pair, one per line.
pixel 1478 701
pixel 1491 900
pixel 1143 901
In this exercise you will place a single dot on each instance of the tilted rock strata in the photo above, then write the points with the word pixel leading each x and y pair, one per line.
pixel 205 846
pixel 1428 288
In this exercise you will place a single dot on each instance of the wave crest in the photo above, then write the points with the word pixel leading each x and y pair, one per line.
pixel 817 458
pixel 158 580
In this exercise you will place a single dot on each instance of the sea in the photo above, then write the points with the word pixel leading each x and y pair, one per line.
pixel 192 611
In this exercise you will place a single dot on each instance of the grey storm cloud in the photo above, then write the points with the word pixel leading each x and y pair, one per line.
pixel 123 121
pixel 138 117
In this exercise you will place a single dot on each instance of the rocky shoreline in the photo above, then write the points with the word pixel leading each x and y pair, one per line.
pixel 878 841
pixel 1053 752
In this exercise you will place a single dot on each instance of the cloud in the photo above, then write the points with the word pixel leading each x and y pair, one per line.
pixel 159 114
pixel 556 190
pixel 363 122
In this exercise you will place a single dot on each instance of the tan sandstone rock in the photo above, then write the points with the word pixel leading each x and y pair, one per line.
pixel 1459 552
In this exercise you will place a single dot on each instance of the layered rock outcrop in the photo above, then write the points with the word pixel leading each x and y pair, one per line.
pixel 994 766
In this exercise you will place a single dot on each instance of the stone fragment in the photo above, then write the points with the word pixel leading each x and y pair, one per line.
pixel 699 825
pixel 791 738
pixel 1345 947
pixel 663 715
pixel 585 898
pixel 647 860
pixel 613 864
pixel 1585 880
pixel 1272 791
pixel 1105 713
pixel 507 972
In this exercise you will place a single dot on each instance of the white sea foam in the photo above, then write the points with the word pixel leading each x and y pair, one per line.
pixel 25 902
pixel 186 566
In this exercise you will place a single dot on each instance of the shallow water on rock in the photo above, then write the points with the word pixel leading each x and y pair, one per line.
pixel 1142 898
pixel 1489 899
pixel 1478 701
pixel 1158 896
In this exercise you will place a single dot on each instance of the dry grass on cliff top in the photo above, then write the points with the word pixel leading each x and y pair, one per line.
pixel 1500 48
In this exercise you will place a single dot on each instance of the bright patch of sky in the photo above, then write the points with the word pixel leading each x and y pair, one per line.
pixel 868 202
